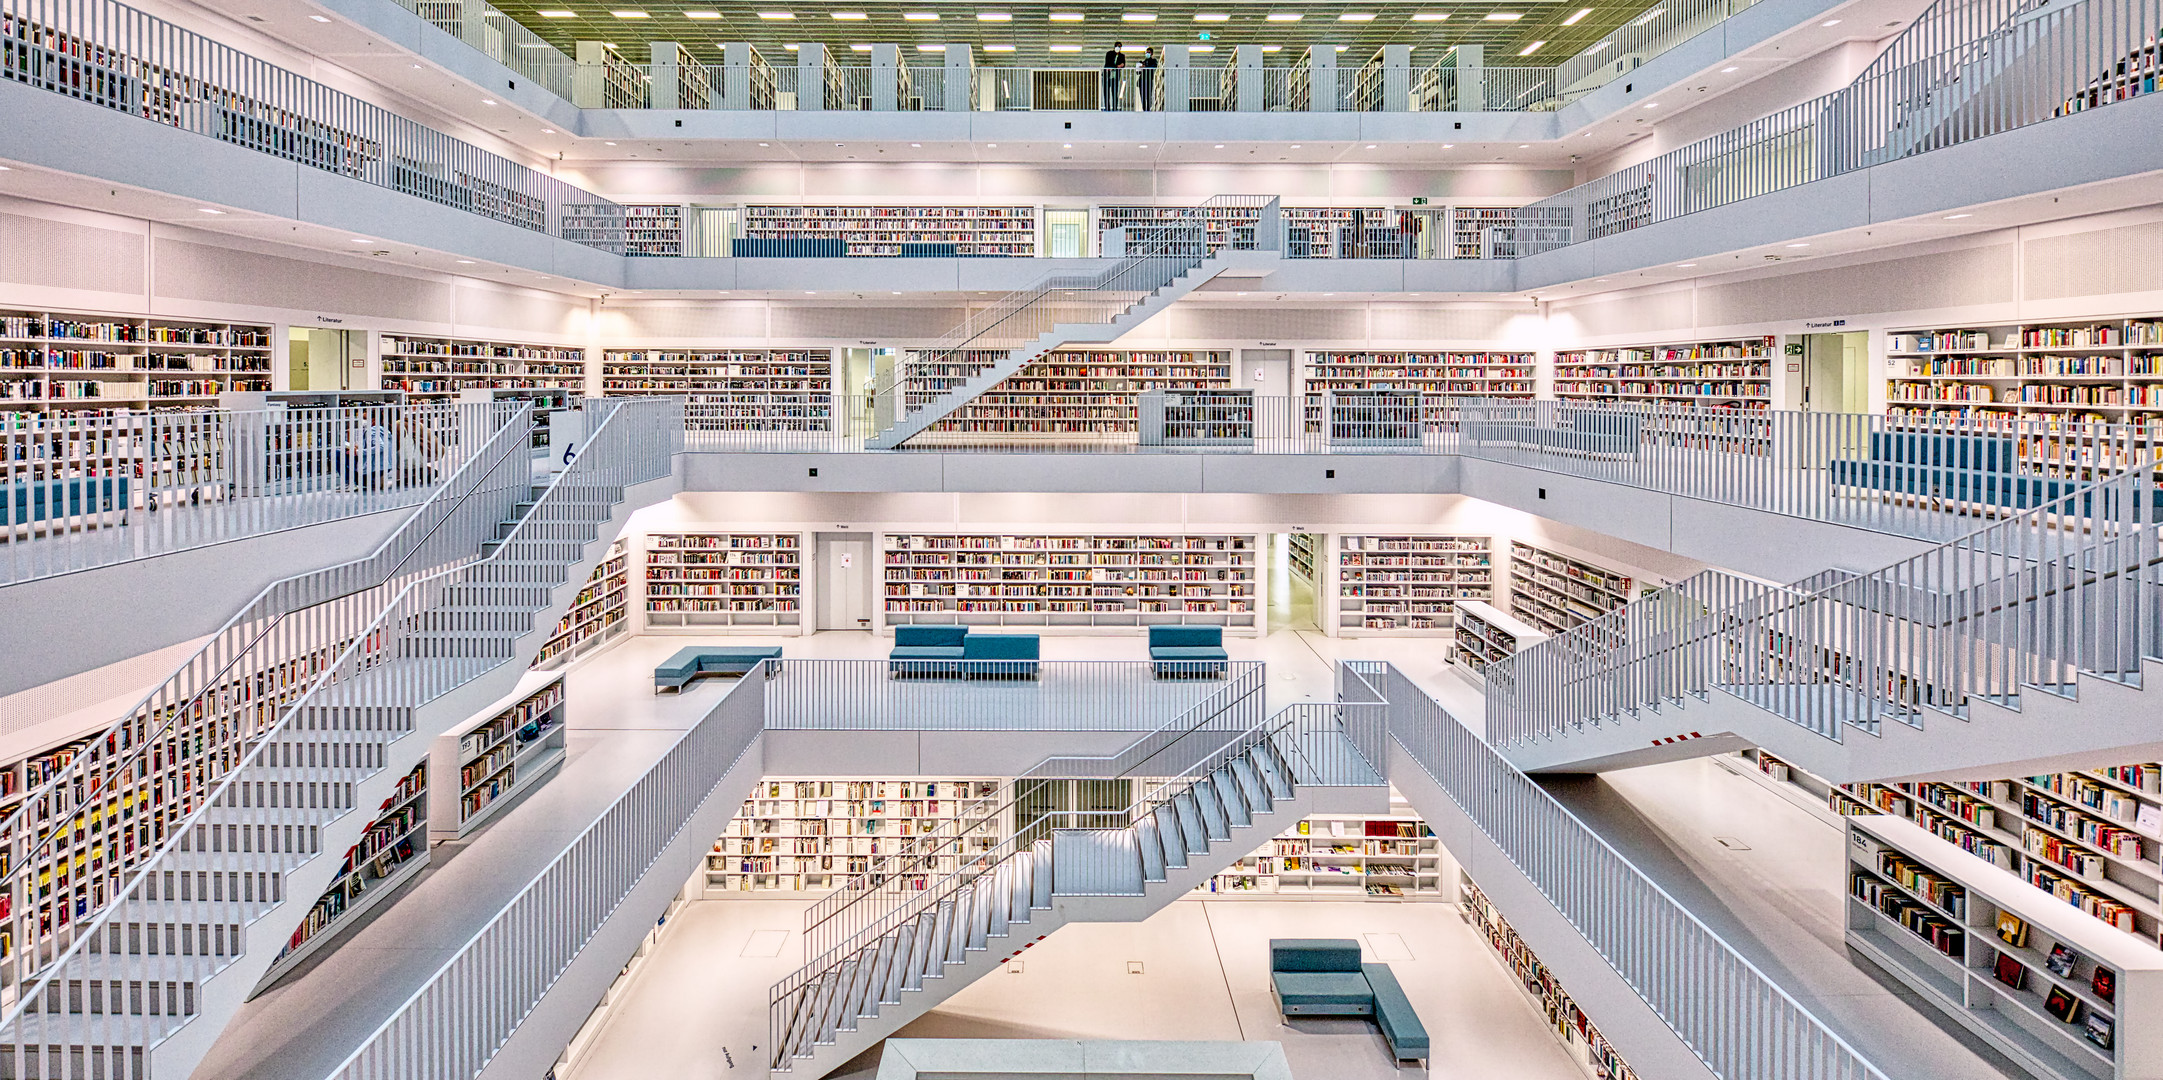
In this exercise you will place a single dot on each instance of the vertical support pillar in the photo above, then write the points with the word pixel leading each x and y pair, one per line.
pixel 589 84
pixel 1471 79
pixel 960 77
pixel 1396 61
pixel 1177 75
pixel 664 92
pixel 885 77
pixel 735 87
pixel 1247 61
pixel 810 77
pixel 1322 78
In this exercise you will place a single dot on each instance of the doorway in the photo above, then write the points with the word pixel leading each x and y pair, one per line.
pixel 1066 234
pixel 1295 566
pixel 844 569
pixel 326 359
pixel 1043 805
pixel 1836 372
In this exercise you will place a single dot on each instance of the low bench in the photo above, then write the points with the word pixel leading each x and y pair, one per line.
pixel 31 502
pixel 927 650
pixel 1981 469
pixel 1324 977
pixel 1187 651
pixel 677 671
pixel 999 656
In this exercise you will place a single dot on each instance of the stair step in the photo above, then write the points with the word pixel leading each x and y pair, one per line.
pixel 1228 793
pixel 1216 824
pixel 1275 777
pixel 1192 832
pixel 1171 834
pixel 1250 783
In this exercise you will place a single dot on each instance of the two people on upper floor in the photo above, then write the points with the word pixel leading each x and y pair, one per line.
pixel 1112 84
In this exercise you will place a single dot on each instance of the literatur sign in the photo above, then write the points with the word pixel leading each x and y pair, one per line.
pixel 1824 324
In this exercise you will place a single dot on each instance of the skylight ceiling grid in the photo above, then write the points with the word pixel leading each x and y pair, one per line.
pixel 1031 30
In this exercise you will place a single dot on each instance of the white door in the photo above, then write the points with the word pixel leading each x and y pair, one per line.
pixel 844 581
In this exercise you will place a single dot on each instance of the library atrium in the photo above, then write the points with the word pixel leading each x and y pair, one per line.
pixel 874 539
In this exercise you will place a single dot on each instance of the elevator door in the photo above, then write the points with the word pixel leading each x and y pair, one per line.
pixel 844 581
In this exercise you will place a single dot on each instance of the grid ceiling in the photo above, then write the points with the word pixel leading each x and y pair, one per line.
pixel 1031 32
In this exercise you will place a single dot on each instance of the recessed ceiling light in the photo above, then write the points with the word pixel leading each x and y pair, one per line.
pixel 998 48
pixel 1138 16
pixel 207 210
pixel 610 144
pixel 1272 48
pixel 1295 146
pixel 808 292
pixel 777 14
pixel 1957 217
pixel 1830 22
pixel 1431 16
pixel 851 15
pixel 1524 146
pixel 1201 48
pixel 1356 16
pixel 1798 245
pixel 1652 105
pixel 918 145
pixel 1532 48
pixel 1448 145
pixel 790 46
pixel 701 14
pixel 1065 48
pixel 994 16
pixel 1284 16
pixel 360 239
pixel 859 48
pixel 763 144
pixel 1370 146
pixel 548 131
pixel 992 145
pixel 1212 16
pixel 552 15
pixel 838 146
pixel 319 18
pixel 1729 70
pixel 921 16
pixel 630 14
pixel 1066 146
pixel 465 262
pixel 488 101
pixel 1066 16
pixel 1220 146
pixel 931 48
pixel 1685 266
pixel 1502 16
pixel 1577 18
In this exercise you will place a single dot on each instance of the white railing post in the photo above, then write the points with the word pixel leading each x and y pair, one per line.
pixel 1322 78
pixel 1471 78
pixel 1248 61
pixel 960 77
pixel 662 92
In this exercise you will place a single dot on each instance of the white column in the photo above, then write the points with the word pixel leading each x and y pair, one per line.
pixel 1396 78
pixel 810 77
pixel 1321 78
pixel 1471 79
pixel 1247 59
pixel 960 76
pixel 664 91
pixel 735 88
pixel 1176 72
pixel 589 84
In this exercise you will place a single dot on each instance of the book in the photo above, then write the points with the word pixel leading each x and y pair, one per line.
pixel 2010 972
pixel 2097 1029
pixel 2061 962
pixel 2105 983
pixel 2012 930
pixel 2061 1004
pixel 2149 819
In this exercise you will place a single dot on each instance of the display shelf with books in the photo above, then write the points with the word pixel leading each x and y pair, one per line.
pixel 391 852
pixel 1073 580
pixel 1409 584
pixel 1335 856
pixel 1484 635
pixel 2060 373
pixel 53 359
pixel 898 230
pixel 1197 417
pixel 1070 395
pixel 738 389
pixel 1558 593
pixel 1588 1048
pixel 485 764
pixel 650 229
pixel 1731 374
pixel 714 581
pixel 1468 224
pixel 1439 377
pixel 598 614
pixel 805 835
pixel 2063 996
pixel 442 367
pixel 1305 554
pixel 1322 226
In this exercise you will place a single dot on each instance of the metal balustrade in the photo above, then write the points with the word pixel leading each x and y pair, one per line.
pixel 145 859
pixel 981 695
pixel 1738 1021
pixel 78 492
pixel 2029 604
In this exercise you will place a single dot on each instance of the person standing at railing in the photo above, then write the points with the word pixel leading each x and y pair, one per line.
pixel 1115 64
pixel 1148 77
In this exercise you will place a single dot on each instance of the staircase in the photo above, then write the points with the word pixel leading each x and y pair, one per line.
pixel 1130 863
pixel 142 979
pixel 1923 107
pixel 2021 649
pixel 1161 263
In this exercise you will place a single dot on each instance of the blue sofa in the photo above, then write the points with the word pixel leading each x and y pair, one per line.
pixel 999 656
pixel 677 671
pixel 28 501
pixel 1187 651
pixel 926 650
pixel 1960 468
pixel 1324 977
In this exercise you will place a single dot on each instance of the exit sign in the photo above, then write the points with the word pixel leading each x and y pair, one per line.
pixel 1419 200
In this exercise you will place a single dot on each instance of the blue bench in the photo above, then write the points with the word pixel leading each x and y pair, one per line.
pixel 29 501
pixel 926 650
pixel 1187 651
pixel 1981 469
pixel 999 656
pixel 1324 977
pixel 677 671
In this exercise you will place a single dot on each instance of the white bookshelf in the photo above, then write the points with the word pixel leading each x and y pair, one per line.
pixel 1731 374
pixel 443 367
pixel 391 852
pixel 1337 857
pixel 1484 635
pixel 1468 223
pixel 1588 1048
pixel 883 230
pixel 1557 593
pixel 1222 225
pixel 1073 580
pixel 2106 370
pixel 598 615
pixel 752 389
pixel 1437 376
pixel 1409 584
pixel 68 361
pixel 2002 958
pixel 483 765
pixel 807 835
pixel 707 581
pixel 1305 555
pixel 1067 395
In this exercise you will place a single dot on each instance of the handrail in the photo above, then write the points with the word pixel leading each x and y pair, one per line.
pixel 213 700
pixel 1732 1016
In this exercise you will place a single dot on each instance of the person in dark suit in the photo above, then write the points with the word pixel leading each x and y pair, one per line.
pixel 1148 77
pixel 1115 64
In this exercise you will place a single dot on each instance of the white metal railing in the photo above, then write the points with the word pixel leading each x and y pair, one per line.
pixel 151 820
pixel 460 1017
pixel 78 492
pixel 126 792
pixel 979 695
pixel 2027 604
pixel 1736 1019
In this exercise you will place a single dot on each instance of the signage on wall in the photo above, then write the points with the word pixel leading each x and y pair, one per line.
pixel 327 319
pixel 1794 348
pixel 1419 200
pixel 1824 324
